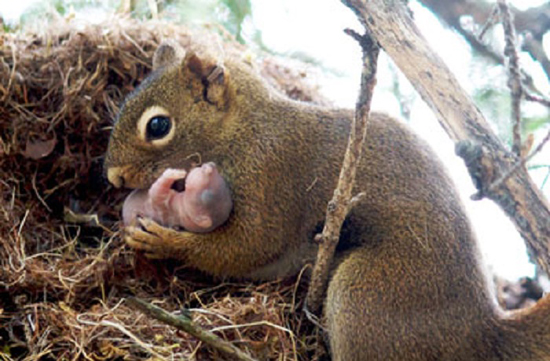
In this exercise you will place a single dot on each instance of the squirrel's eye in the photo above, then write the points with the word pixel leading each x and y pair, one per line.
pixel 158 127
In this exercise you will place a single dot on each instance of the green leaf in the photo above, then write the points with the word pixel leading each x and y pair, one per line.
pixel 238 10
pixel 533 124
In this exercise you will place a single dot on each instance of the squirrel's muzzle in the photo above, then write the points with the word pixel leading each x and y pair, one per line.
pixel 115 177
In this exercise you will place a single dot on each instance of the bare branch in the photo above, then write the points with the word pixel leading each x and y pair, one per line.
pixel 185 324
pixel 534 47
pixel 517 166
pixel 534 22
pixel 339 206
pixel 536 99
pixel 514 77
pixel 489 23
pixel 517 93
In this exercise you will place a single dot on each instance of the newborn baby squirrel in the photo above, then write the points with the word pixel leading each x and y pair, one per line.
pixel 407 282
pixel 204 204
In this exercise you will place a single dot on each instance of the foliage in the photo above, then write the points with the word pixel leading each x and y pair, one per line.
pixel 229 13
pixel 495 104
pixel 239 10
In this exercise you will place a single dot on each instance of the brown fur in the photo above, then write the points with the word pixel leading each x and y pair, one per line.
pixel 407 283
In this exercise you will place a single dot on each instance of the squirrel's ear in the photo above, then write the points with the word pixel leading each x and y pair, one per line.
pixel 212 75
pixel 168 53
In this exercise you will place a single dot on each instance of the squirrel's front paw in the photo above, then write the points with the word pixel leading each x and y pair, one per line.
pixel 152 238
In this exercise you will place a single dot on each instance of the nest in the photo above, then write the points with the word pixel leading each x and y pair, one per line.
pixel 64 269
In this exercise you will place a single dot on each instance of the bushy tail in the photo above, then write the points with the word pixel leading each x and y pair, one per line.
pixel 525 334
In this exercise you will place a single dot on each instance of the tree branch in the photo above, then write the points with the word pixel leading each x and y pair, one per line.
pixel 485 156
pixel 536 99
pixel 535 20
pixel 185 324
pixel 489 23
pixel 534 23
pixel 520 164
pixel 514 77
pixel 535 49
pixel 339 206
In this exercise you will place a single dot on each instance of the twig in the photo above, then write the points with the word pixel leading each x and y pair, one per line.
pixel 534 47
pixel 488 52
pixel 136 339
pixel 537 99
pixel 185 324
pixel 12 74
pixel 518 165
pixel 451 16
pixel 514 80
pixel 545 179
pixel 338 207
pixel 489 23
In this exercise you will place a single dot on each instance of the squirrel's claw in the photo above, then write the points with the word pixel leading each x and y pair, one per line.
pixel 150 237
pixel 137 238
pixel 155 240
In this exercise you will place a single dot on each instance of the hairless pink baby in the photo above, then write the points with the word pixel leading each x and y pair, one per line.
pixel 204 204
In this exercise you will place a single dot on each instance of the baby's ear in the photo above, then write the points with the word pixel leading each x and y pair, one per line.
pixel 212 75
pixel 168 53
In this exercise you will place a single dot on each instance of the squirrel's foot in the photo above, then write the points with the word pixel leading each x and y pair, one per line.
pixel 155 240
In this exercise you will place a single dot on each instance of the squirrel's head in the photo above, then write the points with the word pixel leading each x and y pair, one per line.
pixel 177 113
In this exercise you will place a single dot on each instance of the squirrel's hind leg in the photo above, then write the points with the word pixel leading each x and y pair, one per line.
pixel 377 310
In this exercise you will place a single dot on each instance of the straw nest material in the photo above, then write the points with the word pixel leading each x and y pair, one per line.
pixel 64 270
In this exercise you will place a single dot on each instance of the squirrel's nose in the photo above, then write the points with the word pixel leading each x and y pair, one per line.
pixel 114 175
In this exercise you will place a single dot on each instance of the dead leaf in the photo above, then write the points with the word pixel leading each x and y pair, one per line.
pixel 37 149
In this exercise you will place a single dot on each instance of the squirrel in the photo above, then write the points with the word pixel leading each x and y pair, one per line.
pixel 407 282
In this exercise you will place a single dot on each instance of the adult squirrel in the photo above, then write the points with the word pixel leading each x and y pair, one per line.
pixel 407 283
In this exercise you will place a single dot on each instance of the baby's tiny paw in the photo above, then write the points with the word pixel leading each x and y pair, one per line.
pixel 208 168
pixel 173 174
pixel 162 189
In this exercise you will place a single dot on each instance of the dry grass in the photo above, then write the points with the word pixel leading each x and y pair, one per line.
pixel 64 271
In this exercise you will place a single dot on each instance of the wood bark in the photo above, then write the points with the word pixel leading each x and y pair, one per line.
pixel 514 75
pixel 486 158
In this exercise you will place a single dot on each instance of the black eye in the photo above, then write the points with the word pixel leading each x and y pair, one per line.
pixel 158 127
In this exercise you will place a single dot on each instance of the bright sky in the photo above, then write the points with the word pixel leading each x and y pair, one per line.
pixel 289 26
pixel 11 10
